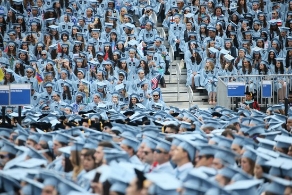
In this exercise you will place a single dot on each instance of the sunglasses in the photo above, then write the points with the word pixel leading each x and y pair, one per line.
pixel 146 152
pixel 28 72
pixel 155 95
pixel 44 54
pixel 3 156
pixel 160 152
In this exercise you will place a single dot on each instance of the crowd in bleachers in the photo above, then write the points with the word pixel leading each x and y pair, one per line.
pixel 232 39
pixel 91 47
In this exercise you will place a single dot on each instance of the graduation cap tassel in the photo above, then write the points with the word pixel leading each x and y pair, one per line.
pixel 101 126
pixel 89 122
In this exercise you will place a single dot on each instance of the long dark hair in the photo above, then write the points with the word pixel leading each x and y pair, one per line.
pixel 273 61
pixel 288 64
pixel 12 79
pixel 20 70
pixel 239 8
pixel 279 70
pixel 57 10
pixel 3 27
pixel 131 106
pixel 146 68
pixel 110 53
pixel 68 165
pixel 197 59
pixel 67 94
pixel 249 68
pixel 264 71
pixel 13 18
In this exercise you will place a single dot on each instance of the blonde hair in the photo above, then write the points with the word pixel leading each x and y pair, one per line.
pixel 86 90
pixel 211 65
pixel 121 16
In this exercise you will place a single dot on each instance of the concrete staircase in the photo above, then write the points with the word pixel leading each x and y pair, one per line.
pixel 176 93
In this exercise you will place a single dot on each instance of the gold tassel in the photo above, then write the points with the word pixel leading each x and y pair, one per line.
pixel 89 122
pixel 162 129
pixel 101 126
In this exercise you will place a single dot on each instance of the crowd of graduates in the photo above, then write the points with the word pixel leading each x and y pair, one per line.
pixel 146 152
pixel 97 123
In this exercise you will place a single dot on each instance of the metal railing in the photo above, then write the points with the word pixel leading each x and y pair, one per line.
pixel 257 82
pixel 178 74
pixel 171 56
pixel 190 96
